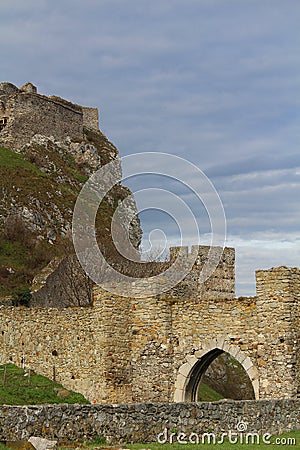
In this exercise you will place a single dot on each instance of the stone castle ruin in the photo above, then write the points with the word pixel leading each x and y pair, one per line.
pixel 24 113
pixel 152 348
pixel 156 349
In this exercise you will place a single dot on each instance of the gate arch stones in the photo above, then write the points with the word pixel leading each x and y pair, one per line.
pixel 215 347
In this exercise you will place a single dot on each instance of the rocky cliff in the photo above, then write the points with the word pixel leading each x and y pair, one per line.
pixel 42 171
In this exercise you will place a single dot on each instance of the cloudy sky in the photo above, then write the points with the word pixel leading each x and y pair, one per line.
pixel 214 81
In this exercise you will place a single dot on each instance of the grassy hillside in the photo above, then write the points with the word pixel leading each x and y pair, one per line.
pixel 16 161
pixel 25 187
pixel 39 188
pixel 23 388
pixel 21 257
pixel 207 394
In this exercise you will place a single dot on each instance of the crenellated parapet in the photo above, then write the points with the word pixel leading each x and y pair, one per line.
pixel 214 265
pixel 157 348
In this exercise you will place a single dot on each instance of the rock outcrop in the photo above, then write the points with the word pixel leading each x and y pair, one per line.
pixel 48 149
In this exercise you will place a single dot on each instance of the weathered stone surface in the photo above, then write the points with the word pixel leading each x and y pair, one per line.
pixel 61 284
pixel 125 350
pixel 42 444
pixel 28 113
pixel 143 422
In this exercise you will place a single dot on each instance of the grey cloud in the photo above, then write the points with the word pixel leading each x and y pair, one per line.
pixel 258 163
pixel 212 81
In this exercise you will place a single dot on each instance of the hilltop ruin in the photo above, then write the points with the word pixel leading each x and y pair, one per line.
pixel 24 112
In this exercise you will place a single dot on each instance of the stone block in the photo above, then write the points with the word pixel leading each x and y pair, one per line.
pixel 185 369
pixel 180 382
pixel 255 384
pixel 178 396
pixel 247 363
pixel 42 444
pixel 200 353
pixel 191 359
pixel 252 373
pixel 220 342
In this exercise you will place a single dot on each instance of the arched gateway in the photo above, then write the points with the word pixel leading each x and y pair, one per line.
pixel 190 373
pixel 155 349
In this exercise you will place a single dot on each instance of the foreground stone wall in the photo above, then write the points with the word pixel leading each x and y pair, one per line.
pixel 144 422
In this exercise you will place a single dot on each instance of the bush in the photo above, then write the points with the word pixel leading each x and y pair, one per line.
pixel 21 297
pixel 16 230
pixel 40 256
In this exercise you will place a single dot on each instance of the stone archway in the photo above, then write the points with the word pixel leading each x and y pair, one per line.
pixel 191 372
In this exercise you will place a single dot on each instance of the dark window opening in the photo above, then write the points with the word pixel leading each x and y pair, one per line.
pixel 3 123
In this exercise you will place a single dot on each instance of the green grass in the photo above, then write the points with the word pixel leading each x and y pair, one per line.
pixel 12 160
pixel 207 394
pixel 22 254
pixel 97 441
pixel 12 254
pixel 18 389
pixel 56 190
pixel 24 259
pixel 80 177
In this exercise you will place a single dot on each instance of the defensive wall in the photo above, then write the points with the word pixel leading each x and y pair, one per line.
pixel 24 113
pixel 156 349
pixel 260 421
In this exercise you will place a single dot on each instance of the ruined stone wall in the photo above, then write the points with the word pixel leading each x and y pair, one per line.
pixel 165 334
pixel 90 118
pixel 29 114
pixel 221 283
pixel 151 347
pixel 150 336
pixel 65 340
pixel 278 354
pixel 202 327
pixel 170 337
pixel 115 336
pixel 152 421
pixel 125 350
pixel 7 89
